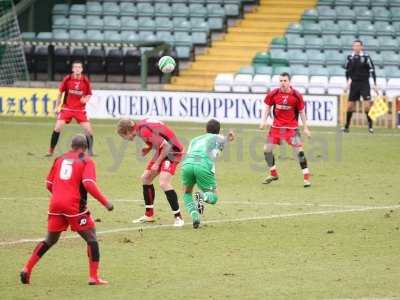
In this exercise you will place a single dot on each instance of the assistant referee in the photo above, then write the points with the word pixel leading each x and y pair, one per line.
pixel 359 67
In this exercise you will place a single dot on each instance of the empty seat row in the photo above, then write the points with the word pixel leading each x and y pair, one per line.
pixel 364 3
pixel 182 42
pixel 378 28
pixel 261 83
pixel 176 38
pixel 344 42
pixel 176 1
pixel 313 70
pixel 346 13
pixel 330 57
pixel 130 23
pixel 147 9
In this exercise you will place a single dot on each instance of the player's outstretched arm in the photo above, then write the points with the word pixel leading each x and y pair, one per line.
pixel 264 115
pixel 303 118
pixel 89 183
pixel 91 187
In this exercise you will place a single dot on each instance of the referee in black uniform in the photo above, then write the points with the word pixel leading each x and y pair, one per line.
pixel 359 67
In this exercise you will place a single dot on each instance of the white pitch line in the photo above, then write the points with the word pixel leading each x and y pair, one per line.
pixel 125 200
pixel 330 132
pixel 266 203
pixel 274 216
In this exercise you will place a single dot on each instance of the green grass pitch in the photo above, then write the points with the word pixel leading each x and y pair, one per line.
pixel 340 239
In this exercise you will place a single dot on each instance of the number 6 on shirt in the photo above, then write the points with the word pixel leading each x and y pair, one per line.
pixel 66 169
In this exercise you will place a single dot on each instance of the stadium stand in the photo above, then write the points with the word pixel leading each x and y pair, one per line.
pixel 183 24
pixel 241 43
pixel 314 49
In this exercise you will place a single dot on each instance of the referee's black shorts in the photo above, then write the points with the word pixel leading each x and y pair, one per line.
pixel 360 89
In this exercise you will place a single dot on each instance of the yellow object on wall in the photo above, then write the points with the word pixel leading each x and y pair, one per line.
pixel 27 102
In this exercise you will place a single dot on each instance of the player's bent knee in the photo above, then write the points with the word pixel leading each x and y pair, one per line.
pixel 146 179
pixel 165 185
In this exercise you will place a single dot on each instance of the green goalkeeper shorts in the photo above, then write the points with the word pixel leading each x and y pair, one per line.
pixel 192 174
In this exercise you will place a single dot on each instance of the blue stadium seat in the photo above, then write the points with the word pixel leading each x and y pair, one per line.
pixel 129 23
pixel 162 10
pixel 128 9
pixel 344 13
pixel 296 56
pixel 347 27
pixel 94 22
pixel 112 22
pixel 111 9
pixel 315 57
pixel 94 9
pixel 329 27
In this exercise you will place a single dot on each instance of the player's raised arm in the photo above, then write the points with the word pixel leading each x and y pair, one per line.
pixel 89 182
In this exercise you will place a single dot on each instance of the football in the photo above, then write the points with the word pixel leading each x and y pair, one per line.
pixel 166 64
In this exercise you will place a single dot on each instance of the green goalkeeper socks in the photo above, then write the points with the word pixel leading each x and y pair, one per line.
pixel 190 207
pixel 210 197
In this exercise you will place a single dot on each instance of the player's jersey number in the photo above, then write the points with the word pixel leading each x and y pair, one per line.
pixel 66 169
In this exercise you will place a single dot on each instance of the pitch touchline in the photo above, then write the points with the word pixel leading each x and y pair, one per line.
pixel 41 124
pixel 274 216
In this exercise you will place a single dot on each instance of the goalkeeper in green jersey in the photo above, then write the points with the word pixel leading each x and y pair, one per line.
pixel 198 167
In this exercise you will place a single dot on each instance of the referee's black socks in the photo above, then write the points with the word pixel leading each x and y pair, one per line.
pixel 349 114
pixel 369 120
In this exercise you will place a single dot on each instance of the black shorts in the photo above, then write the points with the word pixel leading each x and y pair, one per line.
pixel 360 89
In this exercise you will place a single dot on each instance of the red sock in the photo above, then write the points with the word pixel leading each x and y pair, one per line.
pixel 93 267
pixel 94 256
pixel 273 171
pixel 37 254
pixel 306 174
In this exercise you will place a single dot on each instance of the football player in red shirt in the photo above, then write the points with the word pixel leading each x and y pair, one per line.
pixel 72 175
pixel 77 92
pixel 168 154
pixel 287 105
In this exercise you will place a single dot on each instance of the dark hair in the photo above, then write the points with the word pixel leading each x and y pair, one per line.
pixel 79 142
pixel 213 126
pixel 358 41
pixel 77 62
pixel 285 74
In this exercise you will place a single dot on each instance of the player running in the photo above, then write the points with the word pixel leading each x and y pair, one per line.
pixel 168 154
pixel 287 104
pixel 198 167
pixel 77 92
pixel 72 175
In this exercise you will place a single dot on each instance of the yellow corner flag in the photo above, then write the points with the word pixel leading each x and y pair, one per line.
pixel 379 108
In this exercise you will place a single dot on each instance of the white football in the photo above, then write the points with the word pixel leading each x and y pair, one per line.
pixel 166 64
